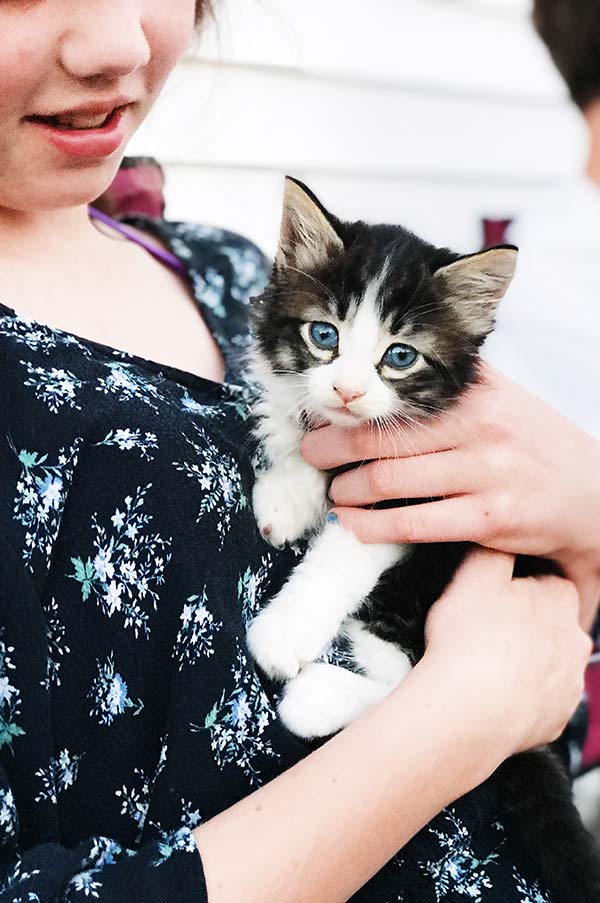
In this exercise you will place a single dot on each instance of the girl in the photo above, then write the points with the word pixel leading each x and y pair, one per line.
pixel 140 753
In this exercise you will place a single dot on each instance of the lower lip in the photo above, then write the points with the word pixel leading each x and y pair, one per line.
pixel 91 143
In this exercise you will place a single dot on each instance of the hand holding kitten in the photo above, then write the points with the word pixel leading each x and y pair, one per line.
pixel 511 648
pixel 504 469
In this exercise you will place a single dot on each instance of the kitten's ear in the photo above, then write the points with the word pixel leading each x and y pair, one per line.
pixel 475 285
pixel 307 236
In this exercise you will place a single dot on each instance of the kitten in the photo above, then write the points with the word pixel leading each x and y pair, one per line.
pixel 370 324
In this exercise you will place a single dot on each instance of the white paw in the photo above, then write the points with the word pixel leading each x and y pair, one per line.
pixel 288 634
pixel 289 502
pixel 323 699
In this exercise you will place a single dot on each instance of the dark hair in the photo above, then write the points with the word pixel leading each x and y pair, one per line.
pixel 203 8
pixel 570 30
pixel 135 162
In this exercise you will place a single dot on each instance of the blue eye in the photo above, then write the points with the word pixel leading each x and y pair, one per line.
pixel 400 357
pixel 324 335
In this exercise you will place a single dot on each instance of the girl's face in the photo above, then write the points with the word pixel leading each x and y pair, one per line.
pixel 77 77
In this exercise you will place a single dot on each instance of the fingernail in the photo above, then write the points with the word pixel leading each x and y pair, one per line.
pixel 332 518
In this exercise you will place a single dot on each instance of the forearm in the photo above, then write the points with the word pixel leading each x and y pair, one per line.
pixel 322 829
pixel 581 559
pixel 586 577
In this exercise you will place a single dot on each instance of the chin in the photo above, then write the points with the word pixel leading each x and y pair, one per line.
pixel 74 188
pixel 344 420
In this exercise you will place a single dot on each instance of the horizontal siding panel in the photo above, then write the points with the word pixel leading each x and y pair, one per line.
pixel 450 45
pixel 234 116
pixel 249 202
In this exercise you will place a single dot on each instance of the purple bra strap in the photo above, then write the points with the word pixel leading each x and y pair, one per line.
pixel 160 253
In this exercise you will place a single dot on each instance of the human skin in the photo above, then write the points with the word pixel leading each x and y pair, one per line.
pixel 58 55
pixel 372 798
pixel 592 118
pixel 508 471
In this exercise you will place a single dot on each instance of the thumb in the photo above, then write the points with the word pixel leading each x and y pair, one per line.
pixel 486 565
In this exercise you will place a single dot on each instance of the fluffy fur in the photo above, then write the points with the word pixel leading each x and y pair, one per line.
pixel 360 324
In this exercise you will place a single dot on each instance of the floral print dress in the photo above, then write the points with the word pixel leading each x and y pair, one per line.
pixel 130 566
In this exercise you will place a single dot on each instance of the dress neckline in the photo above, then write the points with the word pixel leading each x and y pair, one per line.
pixel 119 355
pixel 185 269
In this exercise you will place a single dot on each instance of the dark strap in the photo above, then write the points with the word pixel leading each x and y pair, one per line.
pixel 159 253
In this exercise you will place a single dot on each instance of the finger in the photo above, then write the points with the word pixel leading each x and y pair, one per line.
pixel 481 564
pixel 332 446
pixel 559 589
pixel 449 520
pixel 426 476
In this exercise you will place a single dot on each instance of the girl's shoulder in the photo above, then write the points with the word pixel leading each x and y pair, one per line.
pixel 206 250
pixel 226 271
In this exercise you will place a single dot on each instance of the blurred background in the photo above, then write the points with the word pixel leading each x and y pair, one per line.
pixel 432 113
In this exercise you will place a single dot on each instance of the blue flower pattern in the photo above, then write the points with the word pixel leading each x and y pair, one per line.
pixel 197 631
pixel 459 869
pixel 128 566
pixel 237 723
pixel 130 711
pixel 109 694
pixel 10 697
pixel 128 440
pixel 57 646
pixel 60 774
pixel 55 387
pixel 40 496
pixel 218 479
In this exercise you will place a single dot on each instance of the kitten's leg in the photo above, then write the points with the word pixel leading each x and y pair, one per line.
pixel 378 659
pixel 330 583
pixel 290 498
pixel 324 698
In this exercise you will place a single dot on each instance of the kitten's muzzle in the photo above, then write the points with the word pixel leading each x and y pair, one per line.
pixel 342 416
pixel 348 395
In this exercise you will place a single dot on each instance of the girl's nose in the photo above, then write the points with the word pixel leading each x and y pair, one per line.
pixel 109 44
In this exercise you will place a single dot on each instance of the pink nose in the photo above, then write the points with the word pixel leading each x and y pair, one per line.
pixel 347 395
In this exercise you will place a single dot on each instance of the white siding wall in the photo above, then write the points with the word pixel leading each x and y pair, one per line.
pixel 424 112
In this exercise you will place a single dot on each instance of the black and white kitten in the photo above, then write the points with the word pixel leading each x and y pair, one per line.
pixel 363 323
pixel 359 324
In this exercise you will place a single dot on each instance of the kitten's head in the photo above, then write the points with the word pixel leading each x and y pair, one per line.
pixel 370 323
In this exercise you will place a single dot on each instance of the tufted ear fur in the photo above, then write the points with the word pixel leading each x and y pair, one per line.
pixel 475 285
pixel 307 234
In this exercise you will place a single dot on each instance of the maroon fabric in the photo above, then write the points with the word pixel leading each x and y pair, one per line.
pixel 135 191
pixel 591 750
pixel 495 232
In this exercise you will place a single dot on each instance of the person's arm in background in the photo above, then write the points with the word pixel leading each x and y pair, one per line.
pixel 483 691
pixel 510 473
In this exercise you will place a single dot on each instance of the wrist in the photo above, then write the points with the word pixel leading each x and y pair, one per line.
pixel 582 554
pixel 586 577
pixel 474 738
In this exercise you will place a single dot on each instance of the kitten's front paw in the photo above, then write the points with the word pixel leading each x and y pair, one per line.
pixel 271 644
pixel 284 637
pixel 289 503
pixel 325 698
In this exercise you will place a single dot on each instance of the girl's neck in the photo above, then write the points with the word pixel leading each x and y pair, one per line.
pixel 43 233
